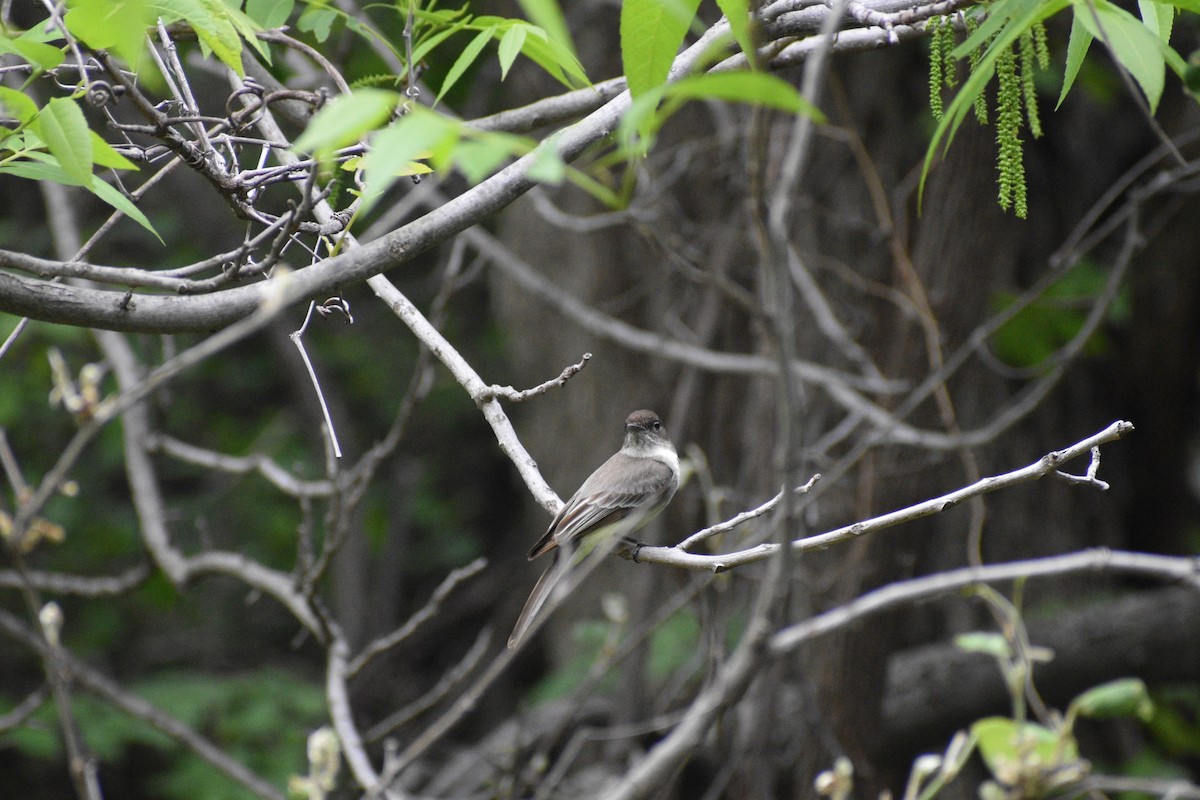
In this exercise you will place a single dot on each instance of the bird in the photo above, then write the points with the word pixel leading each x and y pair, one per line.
pixel 622 495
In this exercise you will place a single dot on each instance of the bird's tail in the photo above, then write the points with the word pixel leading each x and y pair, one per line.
pixel 538 597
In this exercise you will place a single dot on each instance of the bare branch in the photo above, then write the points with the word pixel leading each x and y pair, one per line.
pixel 449 681
pixel 1047 464
pixel 1098 559
pixel 77 585
pixel 426 613
pixel 276 475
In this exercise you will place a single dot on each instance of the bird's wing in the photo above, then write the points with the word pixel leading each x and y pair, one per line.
pixel 592 507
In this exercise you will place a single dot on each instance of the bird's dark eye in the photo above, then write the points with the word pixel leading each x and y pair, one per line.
pixel 656 425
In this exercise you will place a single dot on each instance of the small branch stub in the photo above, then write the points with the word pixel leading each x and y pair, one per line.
pixel 516 396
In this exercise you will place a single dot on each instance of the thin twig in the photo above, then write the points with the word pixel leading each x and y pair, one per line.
pixel 516 396
pixel 427 612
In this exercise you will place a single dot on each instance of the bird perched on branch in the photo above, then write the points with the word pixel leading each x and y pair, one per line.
pixel 622 495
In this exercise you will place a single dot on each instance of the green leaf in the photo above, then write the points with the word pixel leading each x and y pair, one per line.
pixel 465 60
pixel 248 28
pixel 104 155
pixel 270 13
pixel 1005 744
pixel 426 46
pixel 120 202
pixel 1077 47
pixel 345 120
pixel 62 126
pixel 318 21
pixel 758 88
pixel 42 56
pixel 45 168
pixel 1125 697
pixel 510 47
pixel 651 33
pixel 548 166
pixel 557 60
pixel 478 158
pixel 640 123
pixel 116 25
pixel 18 104
pixel 547 15
pixel 1158 17
pixel 395 147
pixel 1131 44
pixel 211 21
pixel 738 14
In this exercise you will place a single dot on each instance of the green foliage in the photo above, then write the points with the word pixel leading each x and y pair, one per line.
pixel 673 644
pixel 1175 723
pixel 590 638
pixel 651 33
pixel 1039 330
pixel 55 143
pixel 260 719
pixel 345 120
pixel 738 14
pixel 648 113
pixel 1007 39
pixel 65 132
pixel 270 13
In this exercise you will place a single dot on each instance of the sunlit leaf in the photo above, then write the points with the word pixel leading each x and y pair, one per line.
pixel 556 59
pixel 547 15
pixel 465 59
pixel 1158 17
pixel 394 148
pixel 1005 743
pixel 116 25
pixel 104 155
pixel 63 127
pixel 346 119
pixel 548 166
pixel 210 20
pixel 318 21
pixel 1125 697
pixel 270 13
pixel 738 14
pixel 757 88
pixel 17 104
pixel 651 33
pixel 1077 48
pixel 46 168
pixel 1131 43
pixel 42 56
pixel 510 47
pixel 478 158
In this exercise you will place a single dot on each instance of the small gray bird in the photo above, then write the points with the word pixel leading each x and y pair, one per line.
pixel 625 493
